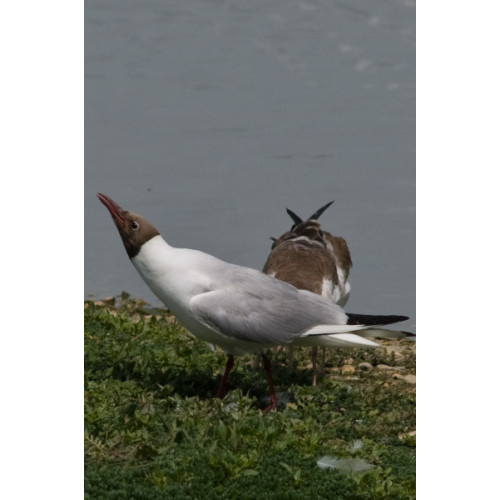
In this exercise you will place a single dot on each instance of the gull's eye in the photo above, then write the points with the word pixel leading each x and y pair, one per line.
pixel 134 225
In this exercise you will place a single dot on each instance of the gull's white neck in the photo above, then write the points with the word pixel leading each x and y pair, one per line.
pixel 154 259
pixel 174 274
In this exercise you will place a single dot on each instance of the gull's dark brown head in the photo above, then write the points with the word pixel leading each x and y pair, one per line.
pixel 134 229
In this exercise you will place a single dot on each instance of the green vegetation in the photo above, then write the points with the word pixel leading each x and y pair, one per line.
pixel 154 431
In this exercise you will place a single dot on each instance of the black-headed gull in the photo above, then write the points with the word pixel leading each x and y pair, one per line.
pixel 239 309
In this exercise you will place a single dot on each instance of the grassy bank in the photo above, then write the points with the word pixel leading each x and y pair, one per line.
pixel 154 431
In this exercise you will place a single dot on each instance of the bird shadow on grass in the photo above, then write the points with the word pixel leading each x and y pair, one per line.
pixel 187 380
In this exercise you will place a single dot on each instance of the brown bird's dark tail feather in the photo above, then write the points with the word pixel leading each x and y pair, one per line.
pixel 372 320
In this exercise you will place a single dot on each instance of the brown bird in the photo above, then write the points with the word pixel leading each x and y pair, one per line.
pixel 310 258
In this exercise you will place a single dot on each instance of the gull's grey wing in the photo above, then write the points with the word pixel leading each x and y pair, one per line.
pixel 265 310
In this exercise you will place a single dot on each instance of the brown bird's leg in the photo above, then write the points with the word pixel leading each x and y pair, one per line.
pixel 323 360
pixel 314 356
pixel 221 391
pixel 274 399
pixel 256 363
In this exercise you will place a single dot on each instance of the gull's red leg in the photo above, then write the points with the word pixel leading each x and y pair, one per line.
pixel 221 391
pixel 274 399
pixel 314 356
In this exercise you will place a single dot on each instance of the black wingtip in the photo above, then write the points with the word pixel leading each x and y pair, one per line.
pixel 315 215
pixel 296 219
pixel 374 320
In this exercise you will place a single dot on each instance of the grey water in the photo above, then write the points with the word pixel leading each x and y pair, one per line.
pixel 210 117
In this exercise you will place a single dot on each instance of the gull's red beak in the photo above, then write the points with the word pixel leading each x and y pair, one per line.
pixel 114 209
